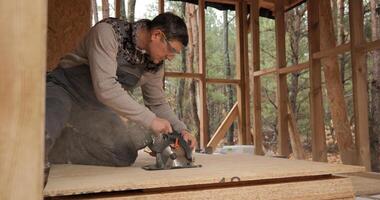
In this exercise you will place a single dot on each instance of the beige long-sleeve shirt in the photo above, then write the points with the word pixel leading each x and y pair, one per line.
pixel 99 50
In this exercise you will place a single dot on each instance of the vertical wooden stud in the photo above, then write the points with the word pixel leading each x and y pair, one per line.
pixel 161 6
pixel 255 30
pixel 282 89
pixel 240 71
pixel 316 103
pixel 360 83
pixel 204 133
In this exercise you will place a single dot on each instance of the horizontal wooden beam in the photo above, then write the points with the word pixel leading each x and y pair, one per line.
pixel 222 129
pixel 370 46
pixel 183 75
pixel 294 68
pixel 223 81
pixel 285 70
pixel 265 71
pixel 333 51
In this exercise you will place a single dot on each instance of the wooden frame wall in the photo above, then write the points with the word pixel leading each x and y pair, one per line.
pixel 358 47
pixel 241 81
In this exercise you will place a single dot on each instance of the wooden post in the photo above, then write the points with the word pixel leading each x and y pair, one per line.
pixel 22 91
pixel 241 70
pixel 202 81
pixel 245 77
pixel 117 8
pixel 161 6
pixel 360 83
pixel 316 105
pixel 282 89
pixel 255 30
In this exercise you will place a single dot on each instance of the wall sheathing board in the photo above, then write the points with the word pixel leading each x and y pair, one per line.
pixel 68 22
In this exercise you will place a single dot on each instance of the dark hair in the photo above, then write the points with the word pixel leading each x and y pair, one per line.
pixel 173 27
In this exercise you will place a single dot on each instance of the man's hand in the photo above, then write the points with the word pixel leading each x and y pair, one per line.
pixel 161 126
pixel 189 138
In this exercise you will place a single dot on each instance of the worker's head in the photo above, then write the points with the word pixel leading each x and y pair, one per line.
pixel 168 37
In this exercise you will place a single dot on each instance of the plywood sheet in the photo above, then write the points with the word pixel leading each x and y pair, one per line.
pixel 79 179
pixel 68 22
pixel 322 189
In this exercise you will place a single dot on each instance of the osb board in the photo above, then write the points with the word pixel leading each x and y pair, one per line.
pixel 79 179
pixel 68 22
pixel 339 188
pixel 367 183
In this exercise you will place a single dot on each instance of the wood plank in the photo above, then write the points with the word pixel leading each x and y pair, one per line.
pixel 183 75
pixel 266 71
pixel 223 128
pixel 343 48
pixel 337 188
pixel 82 179
pixel 316 103
pixel 241 70
pixel 360 83
pixel 284 70
pixel 256 89
pixel 22 91
pixel 294 68
pixel 202 83
pixel 282 89
pixel 223 81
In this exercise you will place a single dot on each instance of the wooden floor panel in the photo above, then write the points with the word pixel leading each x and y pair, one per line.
pixel 80 179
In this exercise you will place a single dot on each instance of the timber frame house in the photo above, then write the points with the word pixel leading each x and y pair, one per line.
pixel 23 47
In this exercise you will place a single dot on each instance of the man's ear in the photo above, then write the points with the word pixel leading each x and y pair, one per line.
pixel 155 34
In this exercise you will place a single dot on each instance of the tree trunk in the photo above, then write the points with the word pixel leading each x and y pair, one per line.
pixel 294 19
pixel 95 11
pixel 334 88
pixel 123 14
pixel 375 94
pixel 131 10
pixel 294 30
pixel 230 103
pixel 105 9
pixel 192 54
pixel 181 85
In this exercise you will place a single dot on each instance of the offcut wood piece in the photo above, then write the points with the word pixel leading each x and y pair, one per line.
pixel 22 89
pixel 216 171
